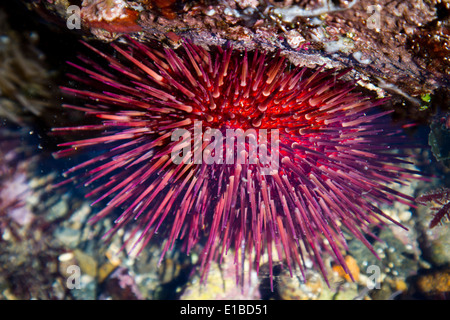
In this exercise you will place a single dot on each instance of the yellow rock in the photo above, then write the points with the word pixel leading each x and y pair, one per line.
pixel 87 263
pixel 400 285
pixel 435 283
pixel 352 266
pixel 105 270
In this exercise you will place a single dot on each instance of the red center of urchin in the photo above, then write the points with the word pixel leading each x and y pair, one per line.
pixel 334 151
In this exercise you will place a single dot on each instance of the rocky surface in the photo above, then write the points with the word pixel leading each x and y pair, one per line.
pixel 395 48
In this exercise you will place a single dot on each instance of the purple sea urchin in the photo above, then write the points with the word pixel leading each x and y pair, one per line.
pixel 334 148
pixel 441 197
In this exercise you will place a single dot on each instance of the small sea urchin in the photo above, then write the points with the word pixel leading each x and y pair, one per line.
pixel 334 148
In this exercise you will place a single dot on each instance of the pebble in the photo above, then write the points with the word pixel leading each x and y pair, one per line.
pixel 66 260
pixel 68 237
pixel 294 288
pixel 221 284
pixel 105 270
pixel 87 263
pixel 59 210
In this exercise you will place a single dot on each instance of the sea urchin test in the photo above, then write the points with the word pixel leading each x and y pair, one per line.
pixel 335 150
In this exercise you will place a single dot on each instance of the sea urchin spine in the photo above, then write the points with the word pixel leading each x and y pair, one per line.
pixel 335 151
